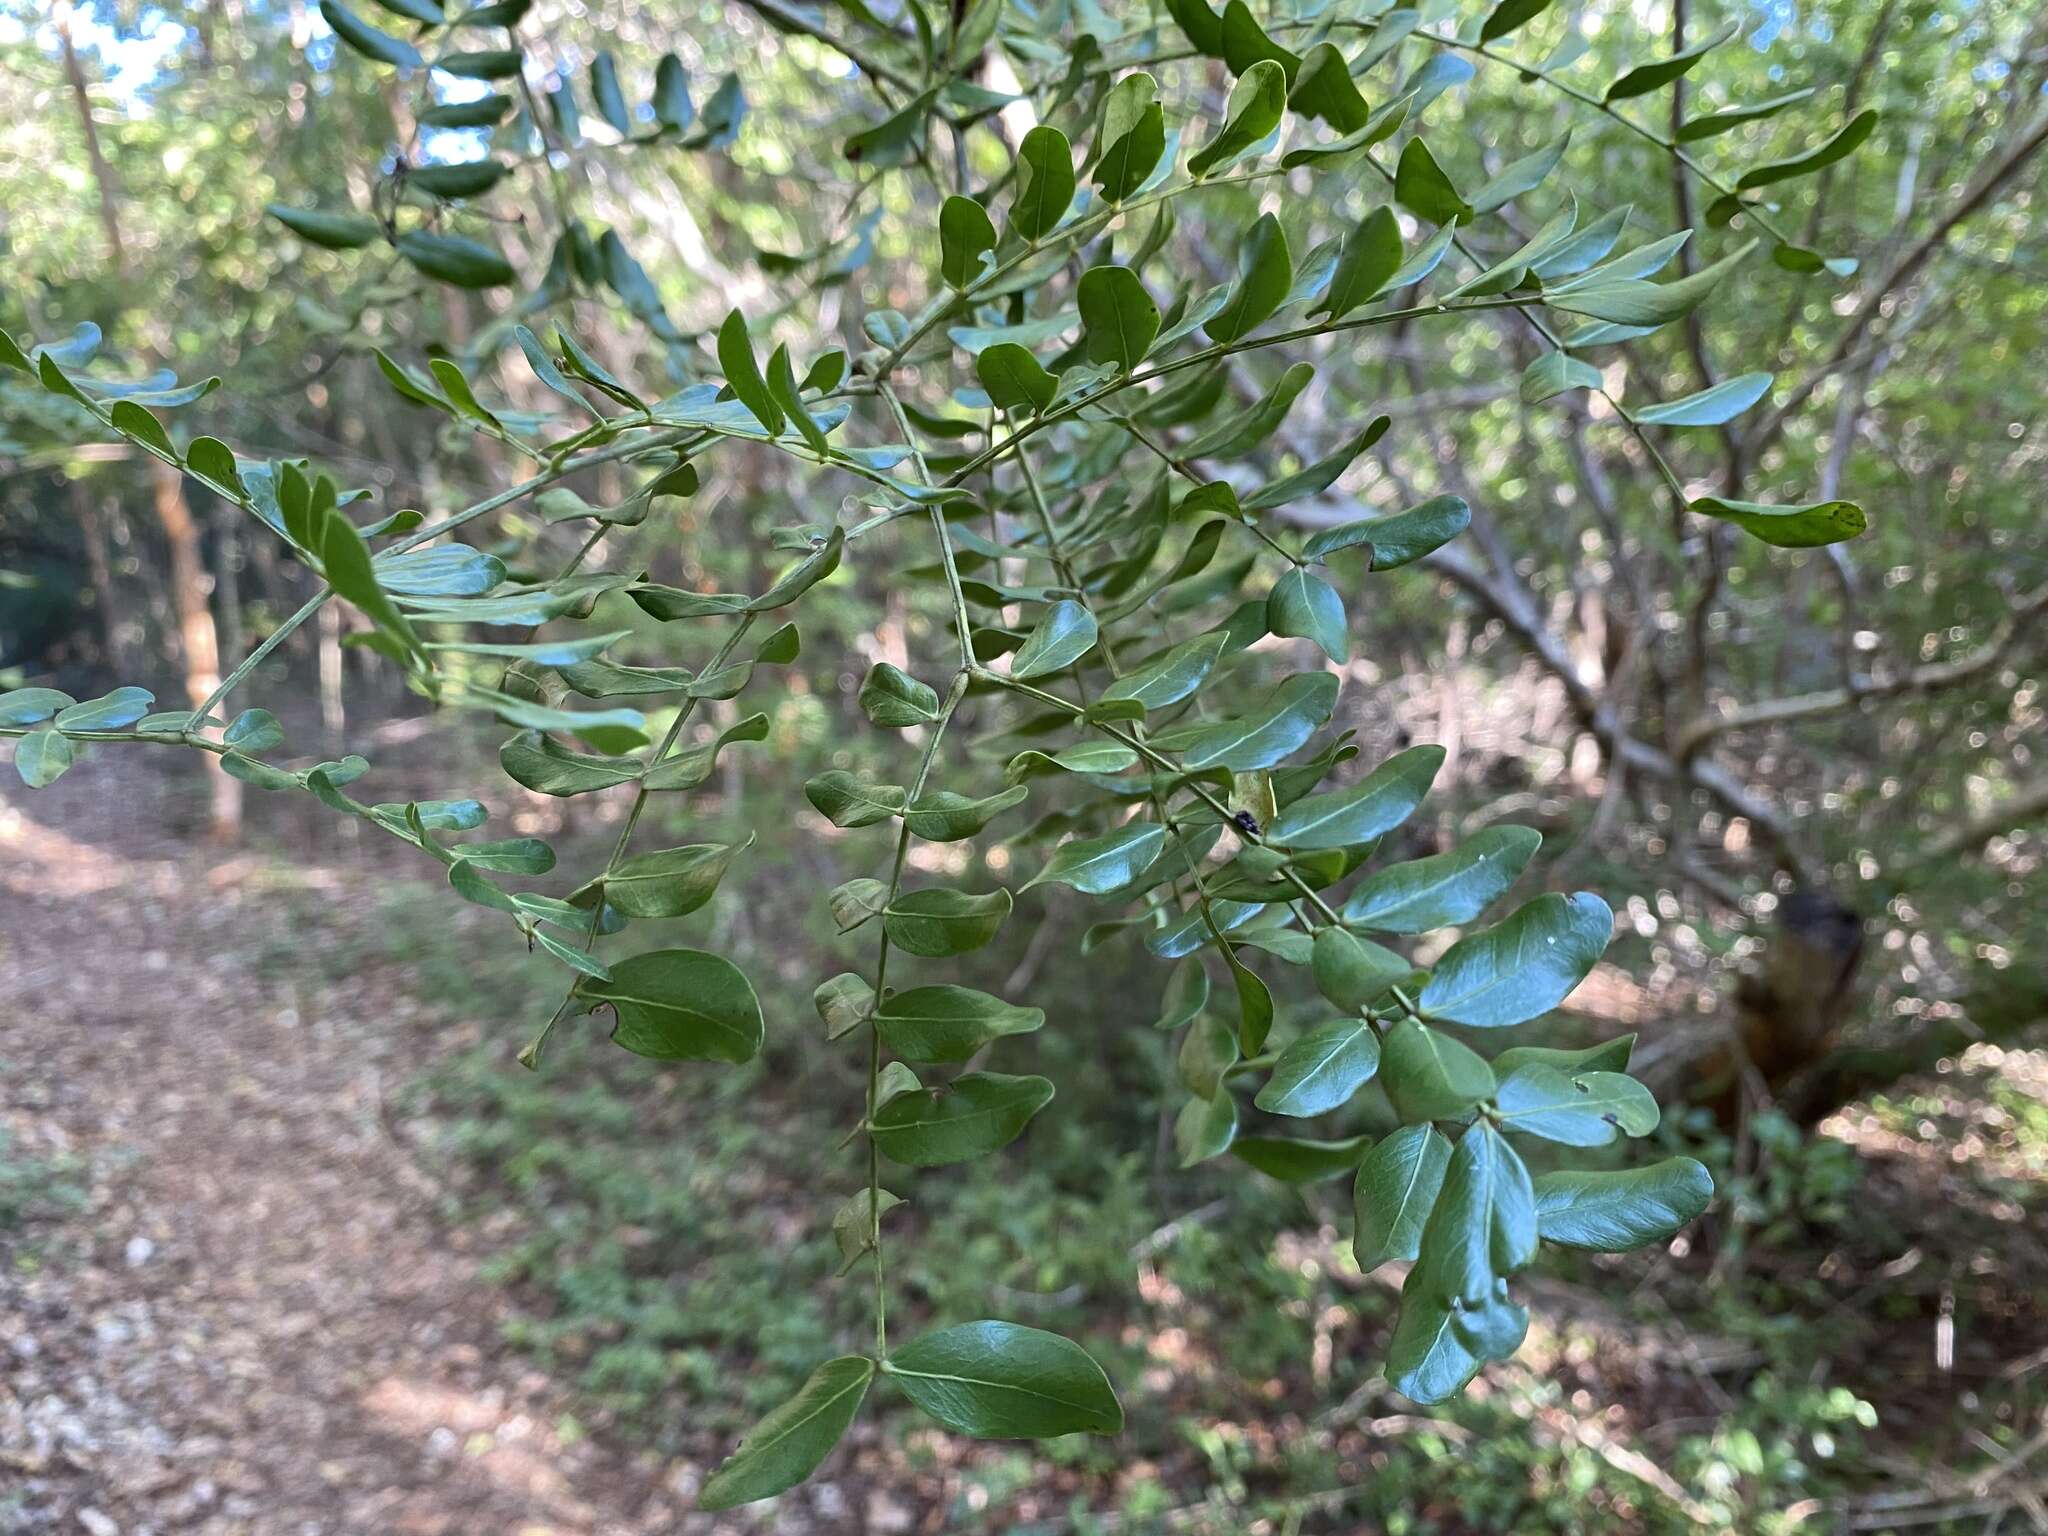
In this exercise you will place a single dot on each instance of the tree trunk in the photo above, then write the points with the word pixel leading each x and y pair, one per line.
pixel 198 644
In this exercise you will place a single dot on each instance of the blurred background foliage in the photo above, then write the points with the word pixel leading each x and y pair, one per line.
pixel 656 1230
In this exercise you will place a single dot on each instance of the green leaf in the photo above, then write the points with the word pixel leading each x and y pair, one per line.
pixel 447 570
pixel 1645 78
pixel 1371 808
pixel 893 699
pixel 1205 1128
pixel 689 768
pixel 844 1003
pixel 1118 317
pixel 480 64
pixel 1352 972
pixel 254 731
pixel 972 1116
pixel 1092 757
pixel 1709 124
pixel 1421 187
pixel 1186 995
pixel 366 39
pixel 1260 740
pixel 335 231
pixel 941 816
pixel 1554 373
pixel 1709 407
pixel 1608 1056
pixel 672 107
pixel 1257 102
pixel 1132 137
pixel 1045 183
pixel 484 112
pixel 1614 1212
pixel 805 574
pixel 1446 888
pixel 1297 1160
pixel 1098 865
pixel 743 373
pixel 948 1023
pixel 1396 1190
pixel 966 234
pixel 1631 301
pixel 936 923
pixel 455 259
pixel 681 1005
pixel 847 801
pixel 41 757
pixel 1014 379
pixel 999 1381
pixel 1264 271
pixel 1171 677
pixel 1508 15
pixel 1322 1070
pixel 469 178
pixel 1371 255
pixel 27 706
pixel 1245 42
pixel 788 1446
pixel 1584 1109
pixel 853 1227
pixel 1323 89
pixel 547 768
pixel 110 712
pixel 670 883
pixel 1843 144
pixel 1525 966
pixel 1063 637
pixel 1302 605
pixel 1207 1053
pixel 1520 176
pixel 1806 526
pixel 1429 1076
pixel 605 92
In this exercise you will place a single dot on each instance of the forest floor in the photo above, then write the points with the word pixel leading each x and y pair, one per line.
pixel 258 1317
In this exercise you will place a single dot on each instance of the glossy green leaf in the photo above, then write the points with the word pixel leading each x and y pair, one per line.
pixel 681 1005
pixel 743 373
pixel 1396 1190
pixel 1298 1160
pixel 1323 89
pixel 844 1002
pixel 942 816
pixel 548 768
pixel 1000 1381
pixel 1838 147
pixel 366 39
pixel 1525 966
pixel 1257 102
pixel 1709 407
pixel 335 231
pixel 966 235
pixel 1370 256
pixel 1132 137
pixel 1118 317
pixel 972 1116
pixel 1322 1070
pixel 1045 182
pixel 1519 176
pixel 1805 526
pixel 468 178
pixel 1615 1212
pixel 1014 379
pixel 1186 995
pixel 847 801
pixel 787 1446
pixel 114 711
pixel 1709 124
pixel 892 698
pixel 937 922
pixel 1063 637
pixel 1398 540
pixel 949 1023
pixel 29 706
pixel 1302 605
pixel 455 259
pixel 1632 301
pixel 1171 677
pixel 254 731
pixel 1207 1053
pixel 1508 15
pixel 1445 889
pixel 1429 1076
pixel 1098 865
pixel 1421 187
pixel 1351 972
pixel 1645 78
pixel 1264 272
pixel 1608 1056
pixel 1553 374
pixel 672 882
pixel 1264 738
pixel 1205 1128
pixel 1583 1109
pixel 1371 808
pixel 672 106
pixel 42 756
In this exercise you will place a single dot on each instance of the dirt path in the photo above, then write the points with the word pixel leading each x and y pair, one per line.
pixel 256 1326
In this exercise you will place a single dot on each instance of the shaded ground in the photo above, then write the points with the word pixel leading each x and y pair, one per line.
pixel 264 1321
